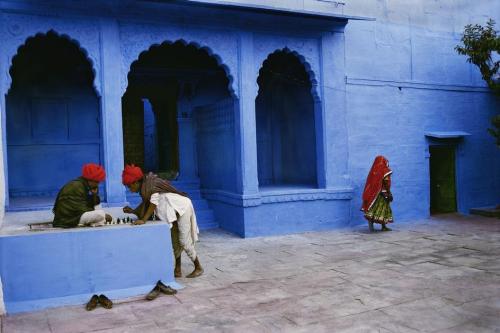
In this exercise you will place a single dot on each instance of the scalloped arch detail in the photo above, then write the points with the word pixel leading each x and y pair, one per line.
pixel 205 49
pixel 307 68
pixel 65 37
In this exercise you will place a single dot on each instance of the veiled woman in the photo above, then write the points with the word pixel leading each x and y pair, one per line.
pixel 377 194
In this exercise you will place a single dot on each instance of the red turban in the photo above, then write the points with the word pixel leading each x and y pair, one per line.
pixel 131 174
pixel 93 172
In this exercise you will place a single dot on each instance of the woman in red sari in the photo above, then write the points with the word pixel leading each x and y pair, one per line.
pixel 377 194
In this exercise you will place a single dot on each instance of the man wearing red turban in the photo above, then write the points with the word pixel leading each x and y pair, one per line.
pixel 76 201
pixel 171 206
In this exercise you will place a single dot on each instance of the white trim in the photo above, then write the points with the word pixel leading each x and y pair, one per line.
pixel 2 305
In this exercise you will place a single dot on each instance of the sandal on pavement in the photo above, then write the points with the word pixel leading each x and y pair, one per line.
pixel 153 293
pixel 105 302
pixel 92 304
pixel 165 289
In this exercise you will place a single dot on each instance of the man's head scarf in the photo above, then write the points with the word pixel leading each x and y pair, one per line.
pixel 94 172
pixel 131 174
pixel 380 170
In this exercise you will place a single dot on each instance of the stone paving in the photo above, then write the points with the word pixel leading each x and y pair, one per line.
pixel 436 275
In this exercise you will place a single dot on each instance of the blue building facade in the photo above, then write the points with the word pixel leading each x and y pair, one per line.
pixel 269 113
pixel 273 114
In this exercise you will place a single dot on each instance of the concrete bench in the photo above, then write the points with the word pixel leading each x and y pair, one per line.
pixel 66 267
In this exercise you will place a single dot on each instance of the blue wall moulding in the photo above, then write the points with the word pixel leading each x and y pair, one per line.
pixel 66 267
pixel 282 210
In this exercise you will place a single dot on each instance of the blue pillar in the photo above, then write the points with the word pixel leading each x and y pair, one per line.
pixel 111 108
pixel 332 133
pixel 245 118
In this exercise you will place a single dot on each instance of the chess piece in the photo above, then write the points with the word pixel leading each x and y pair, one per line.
pixel 117 221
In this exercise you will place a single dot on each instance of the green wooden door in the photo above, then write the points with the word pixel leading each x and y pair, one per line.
pixel 442 170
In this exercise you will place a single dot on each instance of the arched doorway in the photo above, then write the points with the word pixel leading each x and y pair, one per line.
pixel 53 118
pixel 285 120
pixel 178 116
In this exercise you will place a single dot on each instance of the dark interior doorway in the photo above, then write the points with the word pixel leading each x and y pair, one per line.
pixel 166 84
pixel 53 118
pixel 442 179
pixel 285 119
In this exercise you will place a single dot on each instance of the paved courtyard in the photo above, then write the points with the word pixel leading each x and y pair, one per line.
pixel 435 275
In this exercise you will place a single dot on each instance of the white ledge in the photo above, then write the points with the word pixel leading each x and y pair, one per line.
pixel 446 134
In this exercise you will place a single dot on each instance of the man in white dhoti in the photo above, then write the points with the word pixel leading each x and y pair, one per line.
pixel 170 205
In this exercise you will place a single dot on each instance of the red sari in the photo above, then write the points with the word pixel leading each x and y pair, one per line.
pixel 375 183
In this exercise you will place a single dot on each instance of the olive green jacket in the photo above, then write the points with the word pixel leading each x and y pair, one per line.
pixel 72 201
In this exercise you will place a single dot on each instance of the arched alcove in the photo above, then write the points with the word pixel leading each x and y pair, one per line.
pixel 53 118
pixel 285 120
pixel 178 113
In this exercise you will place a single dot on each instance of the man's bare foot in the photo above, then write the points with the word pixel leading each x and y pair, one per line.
pixel 197 272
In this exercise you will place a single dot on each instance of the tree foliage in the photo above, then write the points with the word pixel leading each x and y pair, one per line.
pixel 482 47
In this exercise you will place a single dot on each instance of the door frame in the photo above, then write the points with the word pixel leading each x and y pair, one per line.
pixel 453 143
pixel 453 148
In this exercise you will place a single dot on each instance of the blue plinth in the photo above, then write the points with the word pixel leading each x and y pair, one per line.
pixel 41 270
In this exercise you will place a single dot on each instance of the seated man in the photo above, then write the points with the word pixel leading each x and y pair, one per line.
pixel 76 201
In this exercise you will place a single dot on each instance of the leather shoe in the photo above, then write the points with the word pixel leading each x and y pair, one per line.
pixel 167 290
pixel 153 293
pixel 92 304
pixel 105 302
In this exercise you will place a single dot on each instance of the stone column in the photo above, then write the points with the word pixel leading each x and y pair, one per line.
pixel 332 136
pixel 245 128
pixel 111 106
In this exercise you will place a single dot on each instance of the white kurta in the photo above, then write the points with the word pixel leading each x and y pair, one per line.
pixel 168 207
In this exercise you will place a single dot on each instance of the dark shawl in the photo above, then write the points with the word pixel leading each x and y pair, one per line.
pixel 151 183
pixel 72 201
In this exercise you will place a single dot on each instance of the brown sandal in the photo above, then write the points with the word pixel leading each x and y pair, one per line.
pixel 105 302
pixel 92 304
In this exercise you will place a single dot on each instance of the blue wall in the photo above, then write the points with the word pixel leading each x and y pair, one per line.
pixel 215 145
pixel 404 79
pixel 382 84
pixel 50 138
pixel 64 268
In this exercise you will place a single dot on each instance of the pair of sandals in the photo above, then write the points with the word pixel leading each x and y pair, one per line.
pixel 101 299
pixel 160 288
